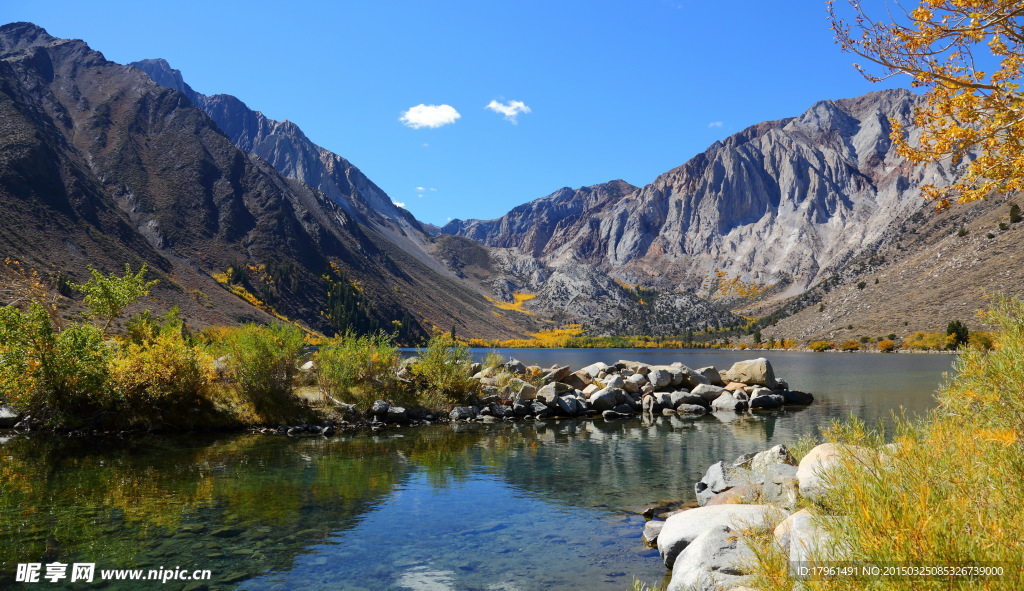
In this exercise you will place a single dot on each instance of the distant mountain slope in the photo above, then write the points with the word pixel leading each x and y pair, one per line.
pixel 786 201
pixel 286 148
pixel 101 166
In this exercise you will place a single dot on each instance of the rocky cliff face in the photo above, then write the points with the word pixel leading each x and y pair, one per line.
pixel 782 201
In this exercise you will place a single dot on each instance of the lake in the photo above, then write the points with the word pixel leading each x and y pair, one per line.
pixel 512 506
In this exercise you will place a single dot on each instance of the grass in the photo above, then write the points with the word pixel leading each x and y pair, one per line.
pixel 946 490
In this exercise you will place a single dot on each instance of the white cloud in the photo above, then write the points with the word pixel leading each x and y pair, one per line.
pixel 420 189
pixel 510 110
pixel 432 116
pixel 432 189
pixel 399 203
pixel 426 145
pixel 715 124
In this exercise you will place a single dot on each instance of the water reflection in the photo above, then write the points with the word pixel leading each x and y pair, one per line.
pixel 504 506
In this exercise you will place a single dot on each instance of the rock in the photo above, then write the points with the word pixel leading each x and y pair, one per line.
pixel 651 531
pixel 462 413
pixel 615 381
pixel 502 411
pixel 693 379
pixel 514 366
pixel 767 400
pixel 729 401
pixel 818 460
pixel 569 405
pixel 678 376
pixel 661 378
pixel 397 414
pixel 717 559
pixel 784 529
pixel 753 371
pixel 520 390
pixel 732 386
pixel 738 495
pixel 691 409
pixel 556 374
pixel 8 416
pixel 707 391
pixel 613 414
pixel 779 454
pixel 539 409
pixel 603 400
pixel 807 539
pixel 380 407
pixel 594 368
pixel 579 380
pixel 552 391
pixel 307 366
pixel 590 389
pixel 684 397
pixel 718 478
pixel 647 403
pixel 682 528
pixel 522 408
pixel 780 486
pixel 624 409
pixel 709 372
pixel 664 400
pixel 328 431
pixel 636 382
pixel 795 397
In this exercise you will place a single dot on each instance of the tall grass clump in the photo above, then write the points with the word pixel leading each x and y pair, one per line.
pixel 442 373
pixel 262 362
pixel 947 489
pixel 359 369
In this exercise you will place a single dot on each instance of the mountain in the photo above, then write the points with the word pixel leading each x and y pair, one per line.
pixel 101 166
pixel 782 202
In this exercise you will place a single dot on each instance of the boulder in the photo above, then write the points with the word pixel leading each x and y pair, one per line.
pixel 579 380
pixel 379 408
pixel 651 531
pixel 595 368
pixel 780 486
pixel 743 494
pixel 590 389
pixel 753 371
pixel 779 454
pixel 709 372
pixel 397 414
pixel 795 397
pixel 784 529
pixel 462 413
pixel 661 378
pixel 613 414
pixel 732 386
pixel 540 410
pixel 818 460
pixel 569 405
pixel 8 417
pixel 520 390
pixel 683 528
pixel 555 374
pixel 502 411
pixel 614 381
pixel 552 391
pixel 514 366
pixel 624 409
pixel 807 539
pixel 691 409
pixel 718 478
pixel 707 391
pixel 678 376
pixel 692 379
pixel 522 408
pixel 604 399
pixel 684 397
pixel 767 401
pixel 717 559
pixel 729 401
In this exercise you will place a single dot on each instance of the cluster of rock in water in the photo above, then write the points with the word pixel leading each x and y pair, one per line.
pixel 626 388
pixel 705 547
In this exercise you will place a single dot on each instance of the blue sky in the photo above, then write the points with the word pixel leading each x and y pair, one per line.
pixel 615 89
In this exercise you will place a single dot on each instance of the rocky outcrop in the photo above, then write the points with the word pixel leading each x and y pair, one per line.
pixel 782 201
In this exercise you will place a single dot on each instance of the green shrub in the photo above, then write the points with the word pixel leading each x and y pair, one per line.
pixel 263 360
pixel 962 232
pixel 861 285
pixel 159 375
pixel 57 377
pixel 358 369
pixel 108 295
pixel 442 373
pixel 1014 213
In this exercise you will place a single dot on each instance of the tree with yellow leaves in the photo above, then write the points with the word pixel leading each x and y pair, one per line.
pixel 969 55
